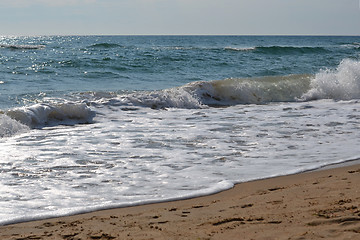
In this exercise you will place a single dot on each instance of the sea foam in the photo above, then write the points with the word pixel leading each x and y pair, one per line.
pixel 342 83
pixel 10 127
pixel 39 115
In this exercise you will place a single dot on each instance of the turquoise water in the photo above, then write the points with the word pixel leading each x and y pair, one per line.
pixel 96 122
pixel 34 67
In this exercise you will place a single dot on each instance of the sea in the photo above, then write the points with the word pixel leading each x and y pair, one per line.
pixel 99 122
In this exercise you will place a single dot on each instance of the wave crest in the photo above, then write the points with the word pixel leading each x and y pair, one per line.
pixel 343 83
pixel 22 47
pixel 240 49
pixel 39 115
pixel 105 45
pixel 255 90
pixel 10 127
pixel 218 93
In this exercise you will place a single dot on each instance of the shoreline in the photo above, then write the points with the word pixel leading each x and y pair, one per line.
pixel 40 218
pixel 355 161
pixel 308 205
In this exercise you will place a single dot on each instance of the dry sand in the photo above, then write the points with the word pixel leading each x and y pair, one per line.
pixel 314 205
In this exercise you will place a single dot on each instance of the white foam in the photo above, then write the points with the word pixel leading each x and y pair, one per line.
pixel 169 98
pixel 39 115
pixel 24 46
pixel 241 49
pixel 354 45
pixel 218 187
pixel 136 157
pixel 10 127
pixel 342 83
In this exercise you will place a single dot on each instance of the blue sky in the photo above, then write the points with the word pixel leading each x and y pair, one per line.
pixel 68 17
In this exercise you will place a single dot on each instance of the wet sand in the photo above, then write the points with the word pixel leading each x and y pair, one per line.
pixel 314 205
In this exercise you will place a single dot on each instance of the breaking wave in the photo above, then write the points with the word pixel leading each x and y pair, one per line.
pixel 40 115
pixel 18 120
pixel 342 83
pixel 218 93
pixel 10 127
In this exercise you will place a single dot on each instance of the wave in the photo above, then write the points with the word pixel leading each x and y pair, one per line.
pixel 353 45
pixel 342 83
pixel 275 50
pixel 10 127
pixel 105 45
pixel 279 50
pixel 258 90
pixel 21 47
pixel 217 93
pixel 22 119
pixel 39 115
pixel 240 49
pixel 290 50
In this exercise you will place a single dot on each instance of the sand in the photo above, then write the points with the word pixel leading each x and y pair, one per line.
pixel 314 205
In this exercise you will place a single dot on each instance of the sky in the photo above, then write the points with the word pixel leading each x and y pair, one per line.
pixel 211 17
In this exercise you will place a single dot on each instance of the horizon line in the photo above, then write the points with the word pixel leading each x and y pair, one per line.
pixel 284 35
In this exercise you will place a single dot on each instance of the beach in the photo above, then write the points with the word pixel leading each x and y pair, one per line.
pixel 321 204
pixel 135 125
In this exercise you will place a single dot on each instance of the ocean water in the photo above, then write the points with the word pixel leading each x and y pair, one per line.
pixel 96 122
